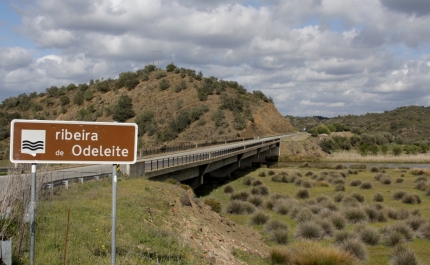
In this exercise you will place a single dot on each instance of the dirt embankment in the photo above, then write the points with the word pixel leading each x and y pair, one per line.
pixel 301 147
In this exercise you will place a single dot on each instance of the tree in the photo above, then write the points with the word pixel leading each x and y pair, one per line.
pixel 171 67
pixel 64 100
pixel 397 150
pixel 79 98
pixel 144 121
pixel 123 109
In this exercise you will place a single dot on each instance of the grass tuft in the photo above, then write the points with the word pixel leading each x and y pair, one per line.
pixel 259 218
pixel 403 255
pixel 354 247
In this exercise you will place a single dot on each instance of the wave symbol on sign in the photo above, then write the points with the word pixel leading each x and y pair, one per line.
pixel 33 146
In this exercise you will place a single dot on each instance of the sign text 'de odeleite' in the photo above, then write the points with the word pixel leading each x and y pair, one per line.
pixel 80 142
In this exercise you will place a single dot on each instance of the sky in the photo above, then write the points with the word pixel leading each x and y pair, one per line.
pixel 312 57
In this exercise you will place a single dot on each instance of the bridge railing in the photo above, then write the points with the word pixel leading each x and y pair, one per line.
pixel 156 164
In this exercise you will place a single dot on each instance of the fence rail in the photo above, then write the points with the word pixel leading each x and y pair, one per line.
pixel 156 164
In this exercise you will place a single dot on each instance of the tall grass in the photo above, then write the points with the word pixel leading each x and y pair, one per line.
pixel 350 157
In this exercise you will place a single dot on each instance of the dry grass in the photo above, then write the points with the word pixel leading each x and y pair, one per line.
pixel 351 157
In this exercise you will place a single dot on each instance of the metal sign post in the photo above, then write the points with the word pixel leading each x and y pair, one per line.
pixel 114 181
pixel 32 213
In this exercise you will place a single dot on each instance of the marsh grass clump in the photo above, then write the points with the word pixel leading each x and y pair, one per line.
pixel 338 197
pixel 392 239
pixel 415 222
pixel 352 171
pixel 271 173
pixel 349 201
pixel 260 190
pixel 402 255
pixel 369 236
pixel 375 215
pixel 378 197
pixel 282 207
pixel 306 184
pixel 400 180
pixel 354 247
pixel 355 215
pixel 240 207
pixel 311 253
pixel 358 166
pixel 257 183
pixel 280 256
pixel 383 178
pixel 247 181
pixel 302 194
pixel 424 231
pixel 275 225
pixel 338 221
pixel 374 169
pixel 241 195
pixel 309 230
pixel 279 236
pixel 366 186
pixel 304 215
pixel 411 199
pixel 421 178
pixel 421 185
pixel 263 174
pixel 339 187
pixel 257 201
pixel 327 227
pixel 402 228
pixel 259 218
pixel 337 181
pixel 398 195
pixel 228 189
pixel 341 236
pixel 355 183
pixel 427 191
pixel 358 196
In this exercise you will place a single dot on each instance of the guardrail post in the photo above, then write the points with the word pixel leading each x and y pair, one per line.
pixel 66 184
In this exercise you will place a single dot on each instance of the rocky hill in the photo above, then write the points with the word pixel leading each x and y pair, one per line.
pixel 171 106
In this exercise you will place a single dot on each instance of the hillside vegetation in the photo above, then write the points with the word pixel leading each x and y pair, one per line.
pixel 170 106
pixel 408 124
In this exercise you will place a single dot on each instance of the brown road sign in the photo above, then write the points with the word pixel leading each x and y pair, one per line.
pixel 34 141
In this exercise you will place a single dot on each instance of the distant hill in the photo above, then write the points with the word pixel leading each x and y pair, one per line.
pixel 170 106
pixel 411 123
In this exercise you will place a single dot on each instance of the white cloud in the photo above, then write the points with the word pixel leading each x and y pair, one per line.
pixel 313 57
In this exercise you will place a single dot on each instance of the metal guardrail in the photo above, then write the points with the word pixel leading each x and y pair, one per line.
pixel 156 164
pixel 64 181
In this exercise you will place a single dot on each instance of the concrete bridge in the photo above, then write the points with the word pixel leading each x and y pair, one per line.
pixel 194 166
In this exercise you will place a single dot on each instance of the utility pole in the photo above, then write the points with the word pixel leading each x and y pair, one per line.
pixel 158 58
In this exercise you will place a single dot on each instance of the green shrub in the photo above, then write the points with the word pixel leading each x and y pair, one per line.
pixel 415 222
pixel 424 231
pixel 392 239
pixel 304 215
pixel 172 181
pixel 358 196
pixel 164 84
pixel 338 197
pixel 214 204
pixel 411 199
pixel 123 110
